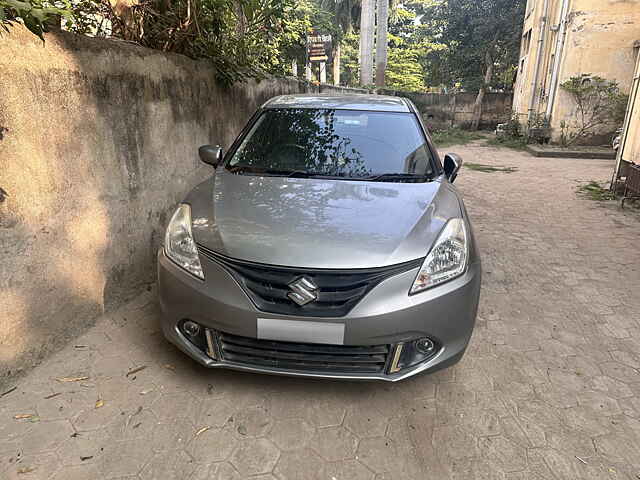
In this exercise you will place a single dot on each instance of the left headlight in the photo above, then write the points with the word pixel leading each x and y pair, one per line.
pixel 179 244
pixel 447 259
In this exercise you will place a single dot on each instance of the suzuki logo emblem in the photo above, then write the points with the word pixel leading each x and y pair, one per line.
pixel 303 291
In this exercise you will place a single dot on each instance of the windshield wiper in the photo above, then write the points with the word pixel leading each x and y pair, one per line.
pixel 273 172
pixel 398 177
pixel 300 174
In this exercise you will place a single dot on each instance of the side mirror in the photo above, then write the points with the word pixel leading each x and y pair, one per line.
pixel 452 164
pixel 210 154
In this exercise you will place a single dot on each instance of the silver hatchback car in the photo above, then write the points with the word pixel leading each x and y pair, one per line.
pixel 329 242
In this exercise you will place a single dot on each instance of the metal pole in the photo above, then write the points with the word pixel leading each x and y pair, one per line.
pixel 539 53
pixel 555 73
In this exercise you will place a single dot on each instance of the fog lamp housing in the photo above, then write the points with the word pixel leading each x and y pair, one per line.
pixel 194 333
pixel 191 329
pixel 409 354
pixel 425 346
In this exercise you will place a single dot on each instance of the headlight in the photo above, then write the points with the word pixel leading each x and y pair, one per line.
pixel 446 260
pixel 179 244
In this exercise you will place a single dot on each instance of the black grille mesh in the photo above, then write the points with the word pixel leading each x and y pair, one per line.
pixel 338 290
pixel 303 356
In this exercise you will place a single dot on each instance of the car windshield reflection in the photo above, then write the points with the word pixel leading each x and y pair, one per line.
pixel 336 144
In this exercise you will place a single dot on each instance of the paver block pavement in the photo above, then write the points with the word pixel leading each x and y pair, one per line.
pixel 549 387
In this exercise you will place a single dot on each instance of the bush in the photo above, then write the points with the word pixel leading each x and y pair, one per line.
pixel 599 104
pixel 513 128
pixel 512 135
pixel 34 14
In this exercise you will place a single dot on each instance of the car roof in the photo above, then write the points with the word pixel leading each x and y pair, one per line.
pixel 374 103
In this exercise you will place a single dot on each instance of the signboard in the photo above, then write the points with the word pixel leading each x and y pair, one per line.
pixel 319 47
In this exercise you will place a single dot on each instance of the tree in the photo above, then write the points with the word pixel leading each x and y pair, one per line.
pixel 413 43
pixel 599 104
pixel 381 41
pixel 404 71
pixel 345 13
pixel 482 38
pixel 367 22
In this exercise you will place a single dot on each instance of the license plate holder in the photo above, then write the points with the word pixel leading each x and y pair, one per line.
pixel 300 331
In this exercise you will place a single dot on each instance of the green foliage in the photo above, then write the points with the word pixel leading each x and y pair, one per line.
pixel 595 191
pixel 346 12
pixel 599 104
pixel 512 136
pixel 477 33
pixel 513 128
pixel 411 43
pixel 242 38
pixel 539 120
pixel 454 136
pixel 515 143
pixel 350 66
pixel 34 14
pixel 480 167
pixel 404 72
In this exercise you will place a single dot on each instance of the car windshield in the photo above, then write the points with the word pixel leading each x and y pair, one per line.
pixel 341 144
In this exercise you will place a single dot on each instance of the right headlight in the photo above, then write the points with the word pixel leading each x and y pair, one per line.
pixel 447 259
pixel 179 244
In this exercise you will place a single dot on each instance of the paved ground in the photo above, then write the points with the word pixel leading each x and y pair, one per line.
pixel 549 389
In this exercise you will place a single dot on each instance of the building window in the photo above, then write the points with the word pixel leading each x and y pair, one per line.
pixel 526 43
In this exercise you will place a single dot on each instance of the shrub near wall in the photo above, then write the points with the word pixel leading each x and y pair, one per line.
pixel 99 142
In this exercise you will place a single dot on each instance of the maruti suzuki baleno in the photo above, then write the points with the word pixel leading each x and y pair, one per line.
pixel 329 241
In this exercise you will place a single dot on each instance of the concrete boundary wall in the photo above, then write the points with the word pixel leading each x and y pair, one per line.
pixel 456 109
pixel 98 142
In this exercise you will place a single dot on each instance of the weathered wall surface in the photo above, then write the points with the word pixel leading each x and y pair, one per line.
pixel 457 109
pixel 599 40
pixel 630 149
pixel 99 142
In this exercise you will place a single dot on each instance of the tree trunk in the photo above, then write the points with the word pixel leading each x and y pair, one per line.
pixel 336 64
pixel 477 108
pixel 381 42
pixel 367 21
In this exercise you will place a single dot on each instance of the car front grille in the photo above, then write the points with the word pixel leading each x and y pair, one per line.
pixel 338 290
pixel 303 356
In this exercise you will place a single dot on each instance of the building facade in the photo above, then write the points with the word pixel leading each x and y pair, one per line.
pixel 566 38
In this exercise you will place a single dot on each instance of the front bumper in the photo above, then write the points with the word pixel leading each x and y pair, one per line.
pixel 386 315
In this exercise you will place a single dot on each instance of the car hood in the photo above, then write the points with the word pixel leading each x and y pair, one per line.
pixel 319 223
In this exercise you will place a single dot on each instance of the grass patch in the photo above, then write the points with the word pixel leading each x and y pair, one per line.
pixel 516 143
pixel 595 191
pixel 479 167
pixel 454 136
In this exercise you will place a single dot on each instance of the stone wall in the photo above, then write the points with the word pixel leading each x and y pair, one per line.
pixel 98 142
pixel 456 110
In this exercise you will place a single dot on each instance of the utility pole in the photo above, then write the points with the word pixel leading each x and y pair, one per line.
pixel 367 23
pixel 381 42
